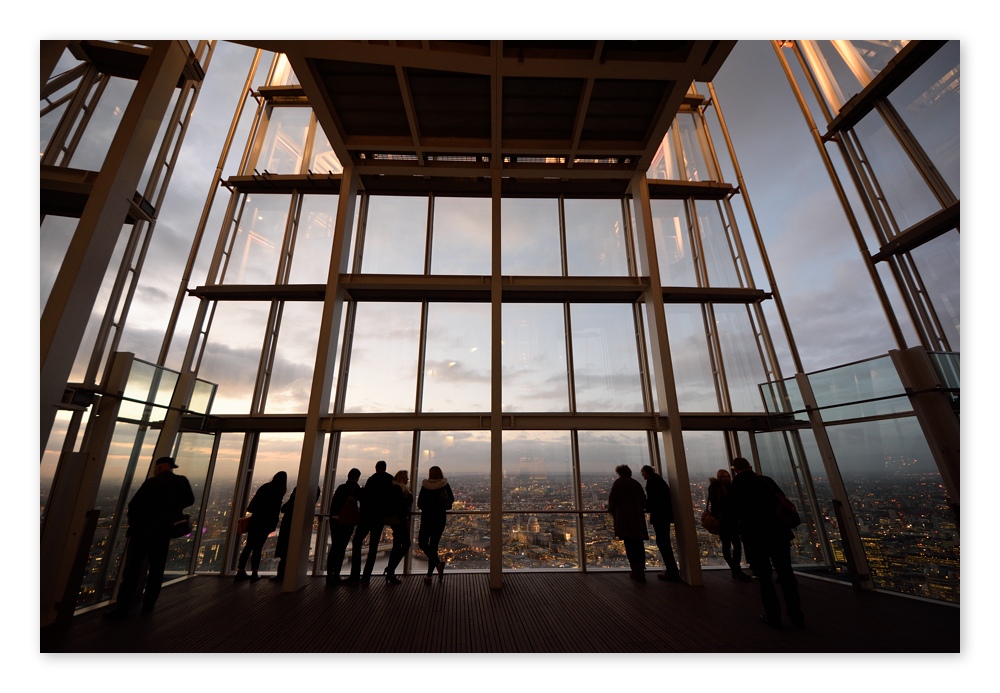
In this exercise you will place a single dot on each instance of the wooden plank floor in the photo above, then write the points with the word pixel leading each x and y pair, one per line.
pixel 533 613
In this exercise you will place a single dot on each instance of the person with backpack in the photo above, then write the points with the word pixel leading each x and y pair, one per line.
pixel 759 503
pixel 434 501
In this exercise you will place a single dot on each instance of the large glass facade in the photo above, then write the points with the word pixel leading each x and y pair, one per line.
pixel 528 385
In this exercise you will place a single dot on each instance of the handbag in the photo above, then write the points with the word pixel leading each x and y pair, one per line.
pixel 242 524
pixel 349 514
pixel 709 522
pixel 180 527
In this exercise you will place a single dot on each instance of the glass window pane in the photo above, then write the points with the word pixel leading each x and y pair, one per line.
pixel 696 166
pixel 103 125
pixel 741 357
pixel 219 508
pixel 604 551
pixel 537 471
pixel 294 359
pixel 928 101
pixel 901 505
pixel 705 454
pixel 530 237
pixel 55 236
pixel 232 354
pixel 534 358
pixel 259 237
pixel 194 453
pixel 939 263
pixel 457 359
pixel 314 240
pixel 719 255
pixel 694 376
pixel 462 236
pixel 464 458
pixel 284 142
pixel 383 369
pixel 595 238
pixel 907 194
pixel 324 160
pixel 600 452
pixel 673 243
pixel 395 235
pixel 605 358
pixel 540 541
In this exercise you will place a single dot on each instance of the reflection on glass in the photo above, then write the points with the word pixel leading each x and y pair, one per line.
pixel 324 160
pixel 462 236
pixel 383 375
pixel 395 235
pixel 457 359
pixel 530 237
pixel 673 243
pixel 285 140
pixel 929 103
pixel 697 167
pixel 534 358
pixel 605 358
pixel 719 254
pixel 314 240
pixel 258 241
pixel 595 238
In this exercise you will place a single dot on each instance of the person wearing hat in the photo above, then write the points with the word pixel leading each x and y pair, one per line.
pixel 153 509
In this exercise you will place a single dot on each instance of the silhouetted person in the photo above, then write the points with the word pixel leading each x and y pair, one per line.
pixel 160 501
pixel 264 508
pixel 754 499
pixel 341 526
pixel 375 498
pixel 435 500
pixel 720 507
pixel 399 522
pixel 281 549
pixel 661 516
pixel 627 503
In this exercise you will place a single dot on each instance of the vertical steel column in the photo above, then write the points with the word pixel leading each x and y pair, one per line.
pixel 663 371
pixel 300 531
pixel 496 393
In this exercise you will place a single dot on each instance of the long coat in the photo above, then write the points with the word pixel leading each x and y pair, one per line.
pixel 626 503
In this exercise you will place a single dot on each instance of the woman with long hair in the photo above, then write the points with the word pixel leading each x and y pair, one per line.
pixel 721 509
pixel 434 501
pixel 399 522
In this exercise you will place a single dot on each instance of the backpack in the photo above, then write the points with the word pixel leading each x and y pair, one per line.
pixel 445 498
